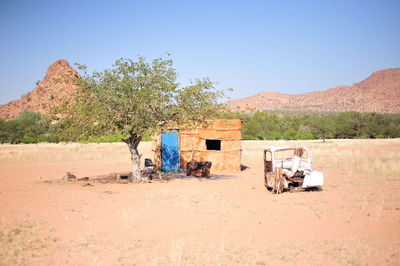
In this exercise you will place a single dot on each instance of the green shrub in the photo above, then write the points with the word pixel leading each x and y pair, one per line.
pixel 267 126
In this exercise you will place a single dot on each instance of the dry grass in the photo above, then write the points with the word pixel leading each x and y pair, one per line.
pixel 369 158
pixel 232 221
pixel 71 152
pixel 359 156
pixel 21 243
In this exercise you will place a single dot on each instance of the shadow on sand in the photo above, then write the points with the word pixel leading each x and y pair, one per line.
pixel 124 178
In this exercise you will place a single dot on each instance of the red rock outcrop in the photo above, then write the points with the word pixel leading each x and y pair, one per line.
pixel 380 92
pixel 57 84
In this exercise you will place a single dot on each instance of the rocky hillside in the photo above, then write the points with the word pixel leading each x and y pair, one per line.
pixel 57 84
pixel 380 92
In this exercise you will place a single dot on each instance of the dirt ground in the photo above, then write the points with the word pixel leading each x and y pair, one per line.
pixel 230 219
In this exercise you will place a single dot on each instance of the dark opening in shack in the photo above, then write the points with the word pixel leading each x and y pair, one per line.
pixel 213 144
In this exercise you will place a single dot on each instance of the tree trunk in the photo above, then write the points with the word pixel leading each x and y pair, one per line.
pixel 133 143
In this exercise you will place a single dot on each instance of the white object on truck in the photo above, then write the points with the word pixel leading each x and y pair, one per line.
pixel 295 163
pixel 315 179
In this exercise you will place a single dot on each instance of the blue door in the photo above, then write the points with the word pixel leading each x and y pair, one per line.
pixel 169 152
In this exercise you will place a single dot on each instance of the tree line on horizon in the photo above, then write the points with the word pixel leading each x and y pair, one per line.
pixel 343 125
pixel 31 127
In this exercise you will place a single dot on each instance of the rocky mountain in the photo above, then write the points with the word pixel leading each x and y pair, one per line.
pixel 380 92
pixel 49 92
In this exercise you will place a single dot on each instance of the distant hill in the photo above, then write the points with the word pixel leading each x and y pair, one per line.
pixel 380 92
pixel 57 84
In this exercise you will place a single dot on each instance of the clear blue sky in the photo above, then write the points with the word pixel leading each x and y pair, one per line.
pixel 252 46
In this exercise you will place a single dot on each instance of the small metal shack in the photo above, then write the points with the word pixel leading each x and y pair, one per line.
pixel 218 142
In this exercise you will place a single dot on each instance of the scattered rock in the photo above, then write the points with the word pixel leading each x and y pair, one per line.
pixel 69 177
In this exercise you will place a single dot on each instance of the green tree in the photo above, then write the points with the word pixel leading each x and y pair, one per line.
pixel 27 127
pixel 323 127
pixel 3 131
pixel 34 126
pixel 135 99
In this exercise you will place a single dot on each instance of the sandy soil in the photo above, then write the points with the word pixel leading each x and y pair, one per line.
pixel 227 220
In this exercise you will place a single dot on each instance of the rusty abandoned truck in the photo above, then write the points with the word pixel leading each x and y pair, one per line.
pixel 289 168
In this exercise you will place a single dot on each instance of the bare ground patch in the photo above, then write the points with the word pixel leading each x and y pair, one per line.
pixel 225 221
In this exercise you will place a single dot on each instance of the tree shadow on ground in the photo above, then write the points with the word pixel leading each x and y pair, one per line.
pixel 182 175
pixel 124 178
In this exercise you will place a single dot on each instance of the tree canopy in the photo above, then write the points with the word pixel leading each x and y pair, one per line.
pixel 135 99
